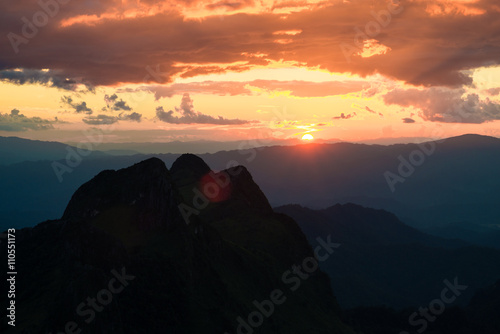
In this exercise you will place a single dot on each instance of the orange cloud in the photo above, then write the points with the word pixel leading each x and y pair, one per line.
pixel 413 45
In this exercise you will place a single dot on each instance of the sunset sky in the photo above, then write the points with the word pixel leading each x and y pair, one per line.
pixel 153 70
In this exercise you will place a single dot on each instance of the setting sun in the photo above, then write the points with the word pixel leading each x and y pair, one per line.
pixel 307 136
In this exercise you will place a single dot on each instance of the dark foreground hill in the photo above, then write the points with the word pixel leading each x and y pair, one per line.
pixel 148 250
pixel 381 261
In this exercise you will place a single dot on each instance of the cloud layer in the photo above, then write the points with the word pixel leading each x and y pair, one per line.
pixel 113 103
pixel 15 121
pixel 187 115
pixel 446 105
pixel 107 119
pixel 48 78
pixel 420 39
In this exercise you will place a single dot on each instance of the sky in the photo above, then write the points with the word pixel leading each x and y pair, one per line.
pixel 225 70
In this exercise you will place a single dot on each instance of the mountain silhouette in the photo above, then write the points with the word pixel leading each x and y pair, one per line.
pixel 133 253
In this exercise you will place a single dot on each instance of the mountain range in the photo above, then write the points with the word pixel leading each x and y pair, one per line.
pixel 185 249
pixel 382 261
pixel 451 193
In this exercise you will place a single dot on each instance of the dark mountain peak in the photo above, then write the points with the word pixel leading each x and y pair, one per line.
pixel 142 192
pixel 188 169
pixel 245 190
pixel 218 194
pixel 190 164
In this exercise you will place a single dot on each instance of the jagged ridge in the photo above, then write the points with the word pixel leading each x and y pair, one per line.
pixel 188 278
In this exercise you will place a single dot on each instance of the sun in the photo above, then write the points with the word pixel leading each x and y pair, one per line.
pixel 307 136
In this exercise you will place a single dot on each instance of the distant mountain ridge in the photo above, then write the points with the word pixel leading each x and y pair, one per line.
pixel 15 150
pixel 365 225
pixel 452 194
pixel 456 181
pixel 384 262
